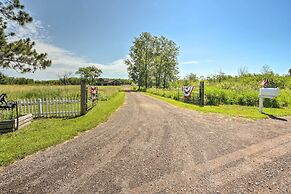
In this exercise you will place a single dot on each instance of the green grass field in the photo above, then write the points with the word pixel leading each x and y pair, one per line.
pixel 250 112
pixel 43 133
pixel 45 91
pixel 17 92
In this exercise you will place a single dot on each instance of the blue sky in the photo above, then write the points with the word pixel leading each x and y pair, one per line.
pixel 213 35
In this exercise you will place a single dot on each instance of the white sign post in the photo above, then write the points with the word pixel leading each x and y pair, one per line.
pixel 267 93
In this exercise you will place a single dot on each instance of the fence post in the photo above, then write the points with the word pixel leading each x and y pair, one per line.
pixel 201 93
pixel 39 108
pixel 83 97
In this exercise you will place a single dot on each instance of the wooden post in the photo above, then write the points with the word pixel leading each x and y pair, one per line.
pixel 201 93
pixel 83 98
pixel 261 104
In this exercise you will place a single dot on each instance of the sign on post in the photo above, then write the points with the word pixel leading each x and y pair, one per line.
pixel 93 92
pixel 267 93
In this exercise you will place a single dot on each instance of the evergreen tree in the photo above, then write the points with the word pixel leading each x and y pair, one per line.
pixel 19 55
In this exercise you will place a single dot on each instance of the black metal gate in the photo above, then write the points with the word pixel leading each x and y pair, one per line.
pixel 8 115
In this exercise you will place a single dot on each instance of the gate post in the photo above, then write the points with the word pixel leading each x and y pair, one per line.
pixel 83 97
pixel 201 93
pixel 260 104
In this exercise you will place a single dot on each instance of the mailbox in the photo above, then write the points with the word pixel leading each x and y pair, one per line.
pixel 268 92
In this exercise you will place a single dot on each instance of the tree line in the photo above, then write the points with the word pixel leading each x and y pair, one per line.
pixel 6 80
pixel 152 61
pixel 245 78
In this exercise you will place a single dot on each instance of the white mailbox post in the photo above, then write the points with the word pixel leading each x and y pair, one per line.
pixel 267 93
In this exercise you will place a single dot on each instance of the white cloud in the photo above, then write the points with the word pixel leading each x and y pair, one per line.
pixel 35 31
pixel 189 62
pixel 62 59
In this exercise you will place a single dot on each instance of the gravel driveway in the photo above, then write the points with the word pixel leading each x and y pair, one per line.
pixel 149 146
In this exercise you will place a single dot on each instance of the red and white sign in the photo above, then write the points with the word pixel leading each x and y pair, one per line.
pixel 187 90
pixel 93 92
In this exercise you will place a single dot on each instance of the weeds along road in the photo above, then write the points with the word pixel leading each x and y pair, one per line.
pixel 148 146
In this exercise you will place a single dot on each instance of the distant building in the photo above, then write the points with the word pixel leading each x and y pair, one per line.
pixel 108 82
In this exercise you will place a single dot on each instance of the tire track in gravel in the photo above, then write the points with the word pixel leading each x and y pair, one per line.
pixel 147 159
pixel 250 158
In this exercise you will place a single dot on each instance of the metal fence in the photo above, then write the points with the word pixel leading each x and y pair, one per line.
pixel 49 107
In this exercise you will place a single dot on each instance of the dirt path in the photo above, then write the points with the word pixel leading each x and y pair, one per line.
pixel 149 146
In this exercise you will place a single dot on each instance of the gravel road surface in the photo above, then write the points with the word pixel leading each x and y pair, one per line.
pixel 149 146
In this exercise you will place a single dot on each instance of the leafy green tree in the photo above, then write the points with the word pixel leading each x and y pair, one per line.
pixel 289 72
pixel 141 59
pixel 19 55
pixel 152 60
pixel 90 73
pixel 160 58
pixel 170 63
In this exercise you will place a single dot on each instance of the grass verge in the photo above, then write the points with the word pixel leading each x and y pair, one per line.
pixel 43 133
pixel 250 112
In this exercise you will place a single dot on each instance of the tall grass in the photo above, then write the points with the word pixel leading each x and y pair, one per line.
pixel 37 91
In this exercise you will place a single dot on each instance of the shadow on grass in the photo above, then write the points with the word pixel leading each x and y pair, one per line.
pixel 274 117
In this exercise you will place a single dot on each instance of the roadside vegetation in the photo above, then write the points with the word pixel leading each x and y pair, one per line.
pixel 249 112
pixel 232 90
pixel 43 133
pixel 231 95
